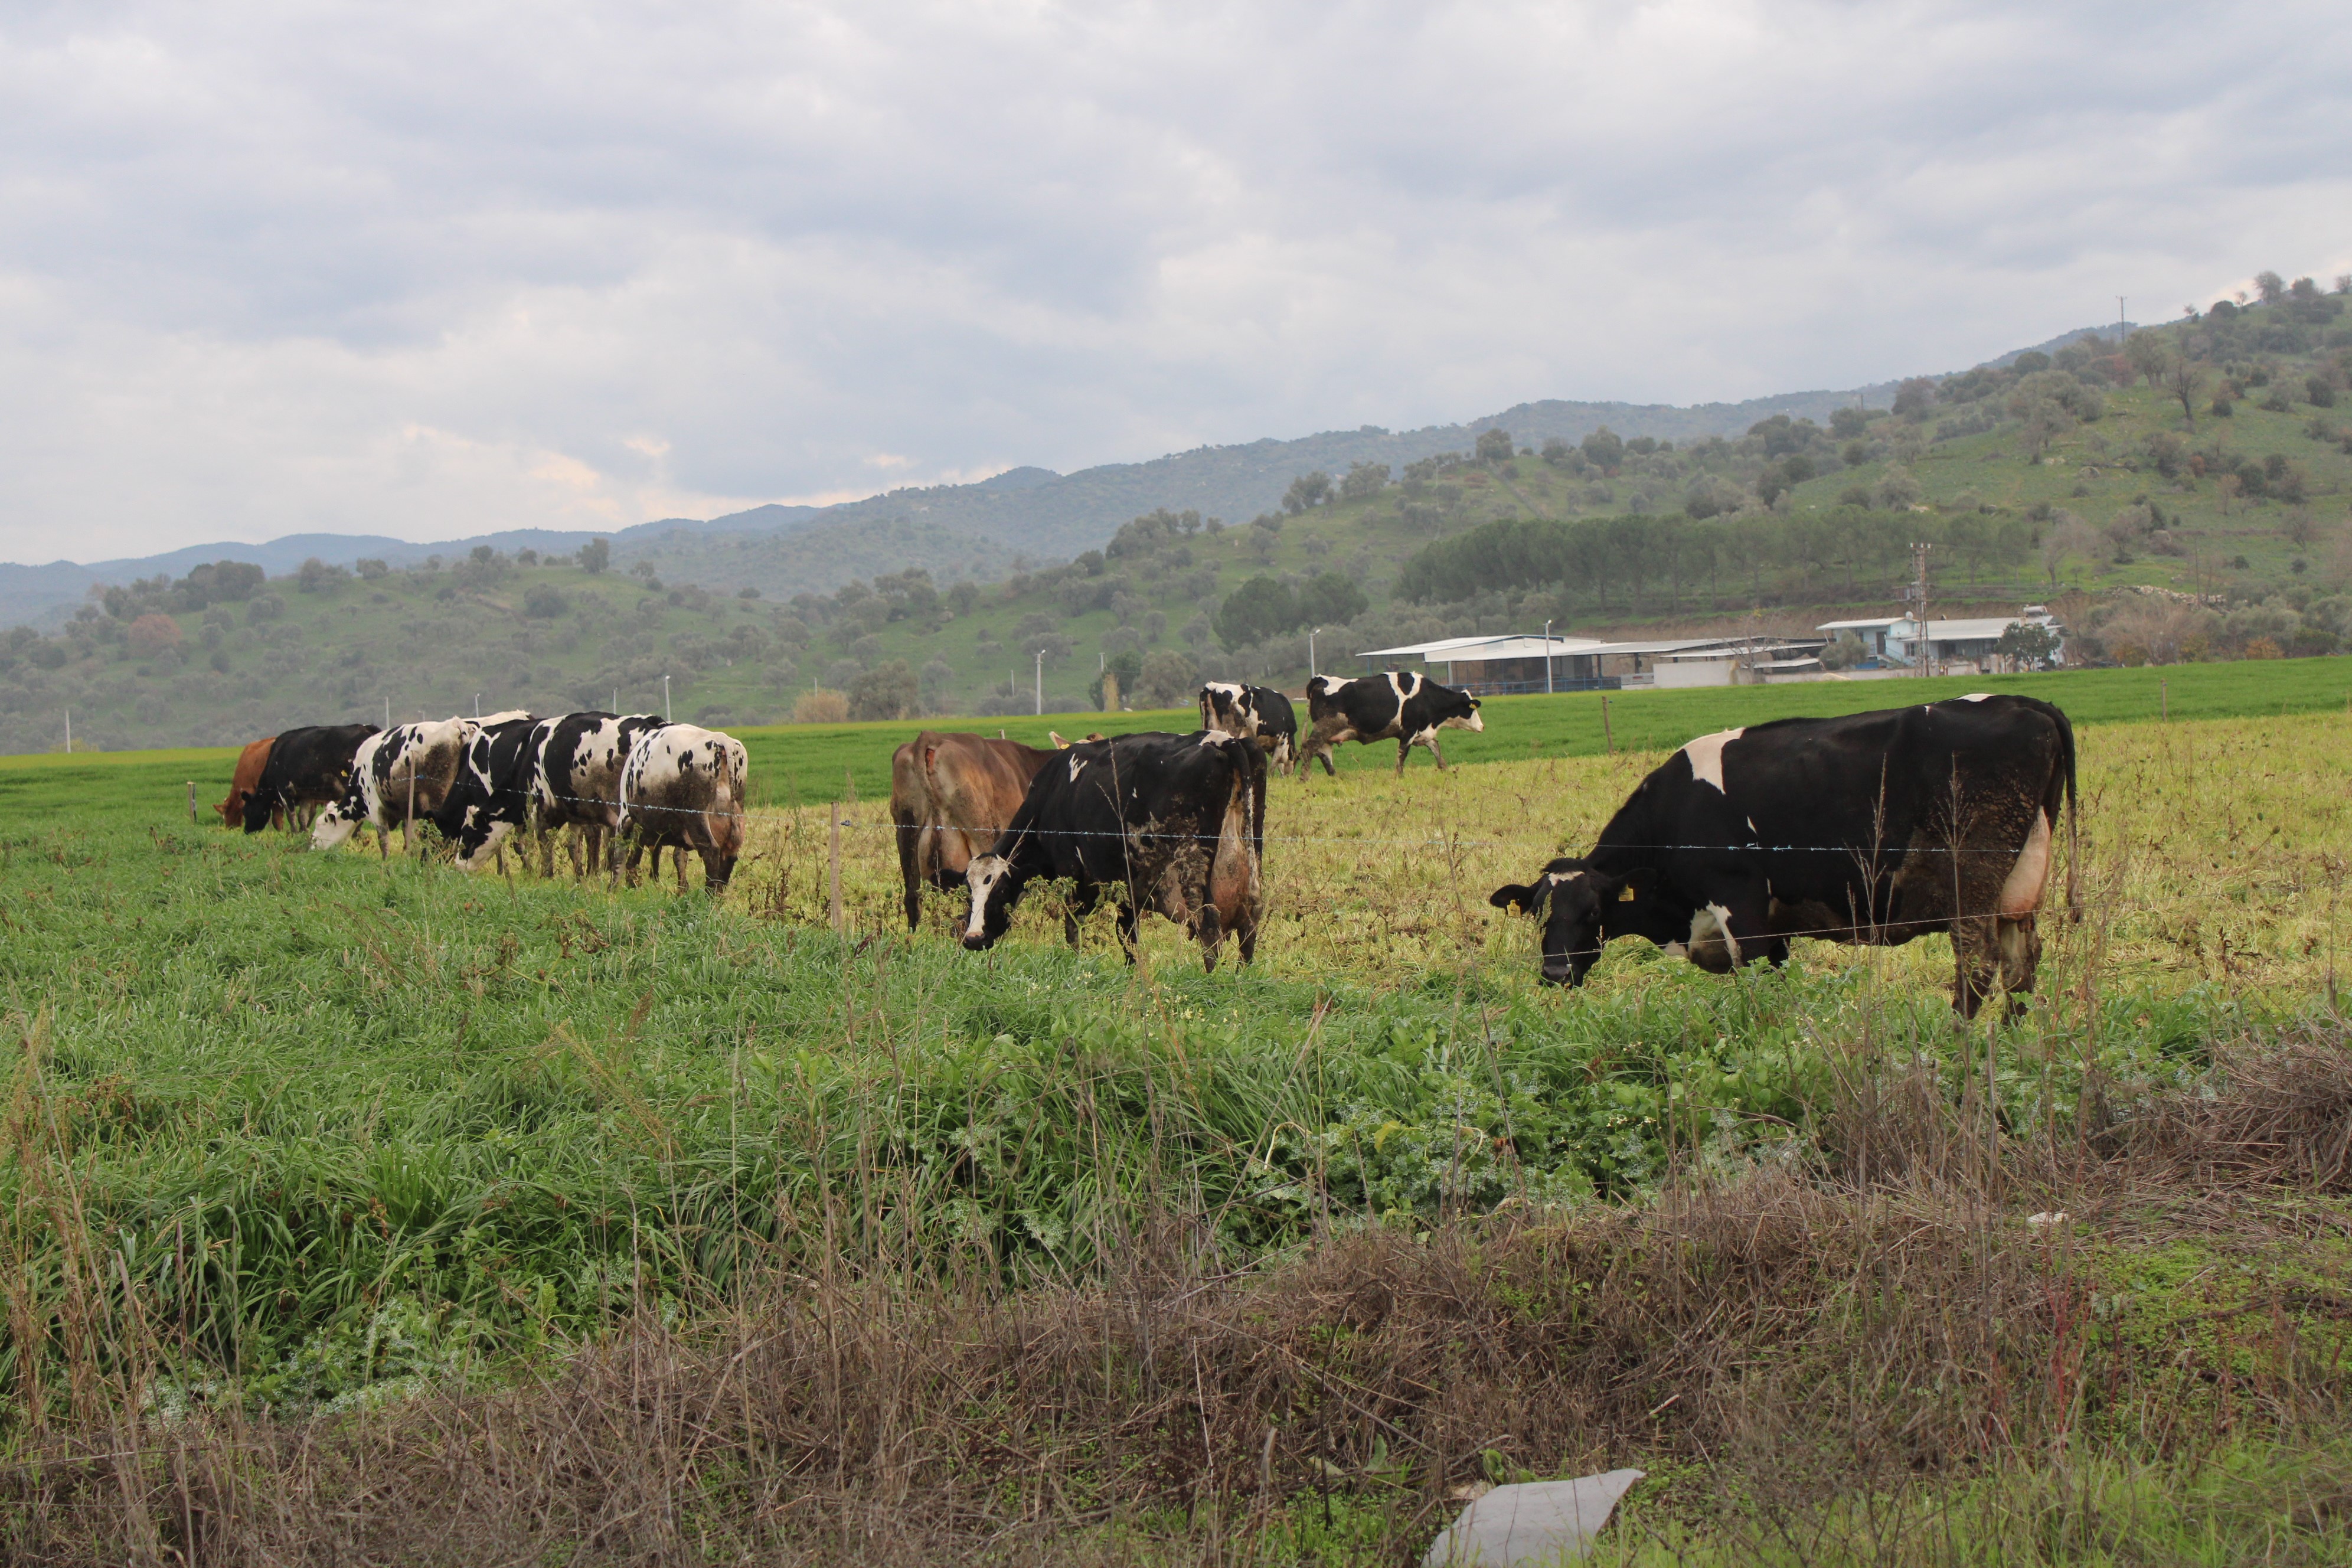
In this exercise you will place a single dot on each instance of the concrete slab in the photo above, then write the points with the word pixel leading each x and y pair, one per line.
pixel 1534 1522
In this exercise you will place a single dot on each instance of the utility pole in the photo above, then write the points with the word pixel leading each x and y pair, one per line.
pixel 70 731
pixel 664 699
pixel 1548 658
pixel 1311 636
pixel 387 713
pixel 2119 320
pixel 1924 647
pixel 1041 682
pixel 478 705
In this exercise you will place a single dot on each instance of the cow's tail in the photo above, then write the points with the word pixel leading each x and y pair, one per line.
pixel 2074 835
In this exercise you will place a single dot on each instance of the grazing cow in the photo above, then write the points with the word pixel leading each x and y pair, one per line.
pixel 490 797
pixel 1874 829
pixel 1261 712
pixel 402 778
pixel 683 786
pixel 250 763
pixel 1177 820
pixel 951 796
pixel 1407 708
pixel 577 781
pixel 307 767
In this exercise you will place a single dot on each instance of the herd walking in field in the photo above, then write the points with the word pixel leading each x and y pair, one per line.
pixel 1872 829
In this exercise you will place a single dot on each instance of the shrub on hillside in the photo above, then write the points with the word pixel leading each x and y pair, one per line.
pixel 152 634
pixel 888 690
pixel 544 602
pixel 820 707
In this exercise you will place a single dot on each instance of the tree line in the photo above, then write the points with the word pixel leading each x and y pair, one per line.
pixel 1645 565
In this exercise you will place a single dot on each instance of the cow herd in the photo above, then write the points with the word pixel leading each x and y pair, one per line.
pixel 612 779
pixel 1873 829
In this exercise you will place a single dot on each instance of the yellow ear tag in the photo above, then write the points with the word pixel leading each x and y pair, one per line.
pixel 1626 895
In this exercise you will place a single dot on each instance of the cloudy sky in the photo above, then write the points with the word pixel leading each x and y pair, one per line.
pixel 432 268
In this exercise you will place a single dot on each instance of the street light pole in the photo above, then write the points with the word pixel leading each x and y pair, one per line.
pixel 1041 682
pixel 1311 651
pixel 664 699
pixel 1548 658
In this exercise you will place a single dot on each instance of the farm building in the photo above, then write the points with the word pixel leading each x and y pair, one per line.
pixel 1513 665
pixel 1898 639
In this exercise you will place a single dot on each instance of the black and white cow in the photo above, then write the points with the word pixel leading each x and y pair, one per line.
pixel 1402 706
pixel 306 767
pixel 1260 712
pixel 399 777
pixel 1873 829
pixel 577 780
pixel 1176 821
pixel 489 800
pixel 684 786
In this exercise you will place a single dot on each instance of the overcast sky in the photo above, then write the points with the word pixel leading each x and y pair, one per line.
pixel 430 269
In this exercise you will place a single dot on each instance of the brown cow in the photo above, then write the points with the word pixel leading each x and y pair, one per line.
pixel 248 778
pixel 951 796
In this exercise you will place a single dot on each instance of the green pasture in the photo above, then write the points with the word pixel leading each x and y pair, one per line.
pixel 809 763
pixel 341 1121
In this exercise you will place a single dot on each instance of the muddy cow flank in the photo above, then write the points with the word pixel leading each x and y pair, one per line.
pixel 1402 706
pixel 1174 821
pixel 1260 712
pixel 250 764
pixel 951 796
pixel 306 767
pixel 1873 829
pixel 684 786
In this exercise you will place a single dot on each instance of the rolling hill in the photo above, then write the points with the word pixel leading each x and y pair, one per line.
pixel 2073 474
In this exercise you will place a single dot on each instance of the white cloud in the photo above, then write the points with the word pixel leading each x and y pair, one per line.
pixel 433 268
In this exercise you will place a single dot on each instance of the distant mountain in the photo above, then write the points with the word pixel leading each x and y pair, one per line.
pixel 963 530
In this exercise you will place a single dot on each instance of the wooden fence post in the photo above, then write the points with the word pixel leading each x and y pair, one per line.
pixel 833 868
pixel 1608 736
pixel 192 802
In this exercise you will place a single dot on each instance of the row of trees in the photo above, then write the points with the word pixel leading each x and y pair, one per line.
pixel 1646 564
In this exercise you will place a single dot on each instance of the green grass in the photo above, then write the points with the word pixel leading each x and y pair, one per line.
pixel 798 763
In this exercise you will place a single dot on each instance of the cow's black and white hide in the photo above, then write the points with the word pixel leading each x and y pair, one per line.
pixel 1174 823
pixel 684 786
pixel 577 782
pixel 308 767
pixel 1874 829
pixel 1402 706
pixel 489 800
pixel 400 777
pixel 1260 712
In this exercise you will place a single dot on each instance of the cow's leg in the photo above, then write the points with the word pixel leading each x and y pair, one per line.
pixel 1404 749
pixel 677 859
pixel 1976 962
pixel 911 869
pixel 1212 934
pixel 628 872
pixel 1130 917
pixel 382 841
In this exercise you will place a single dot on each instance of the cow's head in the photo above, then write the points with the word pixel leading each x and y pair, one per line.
pixel 995 886
pixel 1574 903
pixel 1462 713
pixel 255 812
pixel 1229 708
pixel 339 821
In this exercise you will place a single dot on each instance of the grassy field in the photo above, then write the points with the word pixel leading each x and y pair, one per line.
pixel 295 1137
